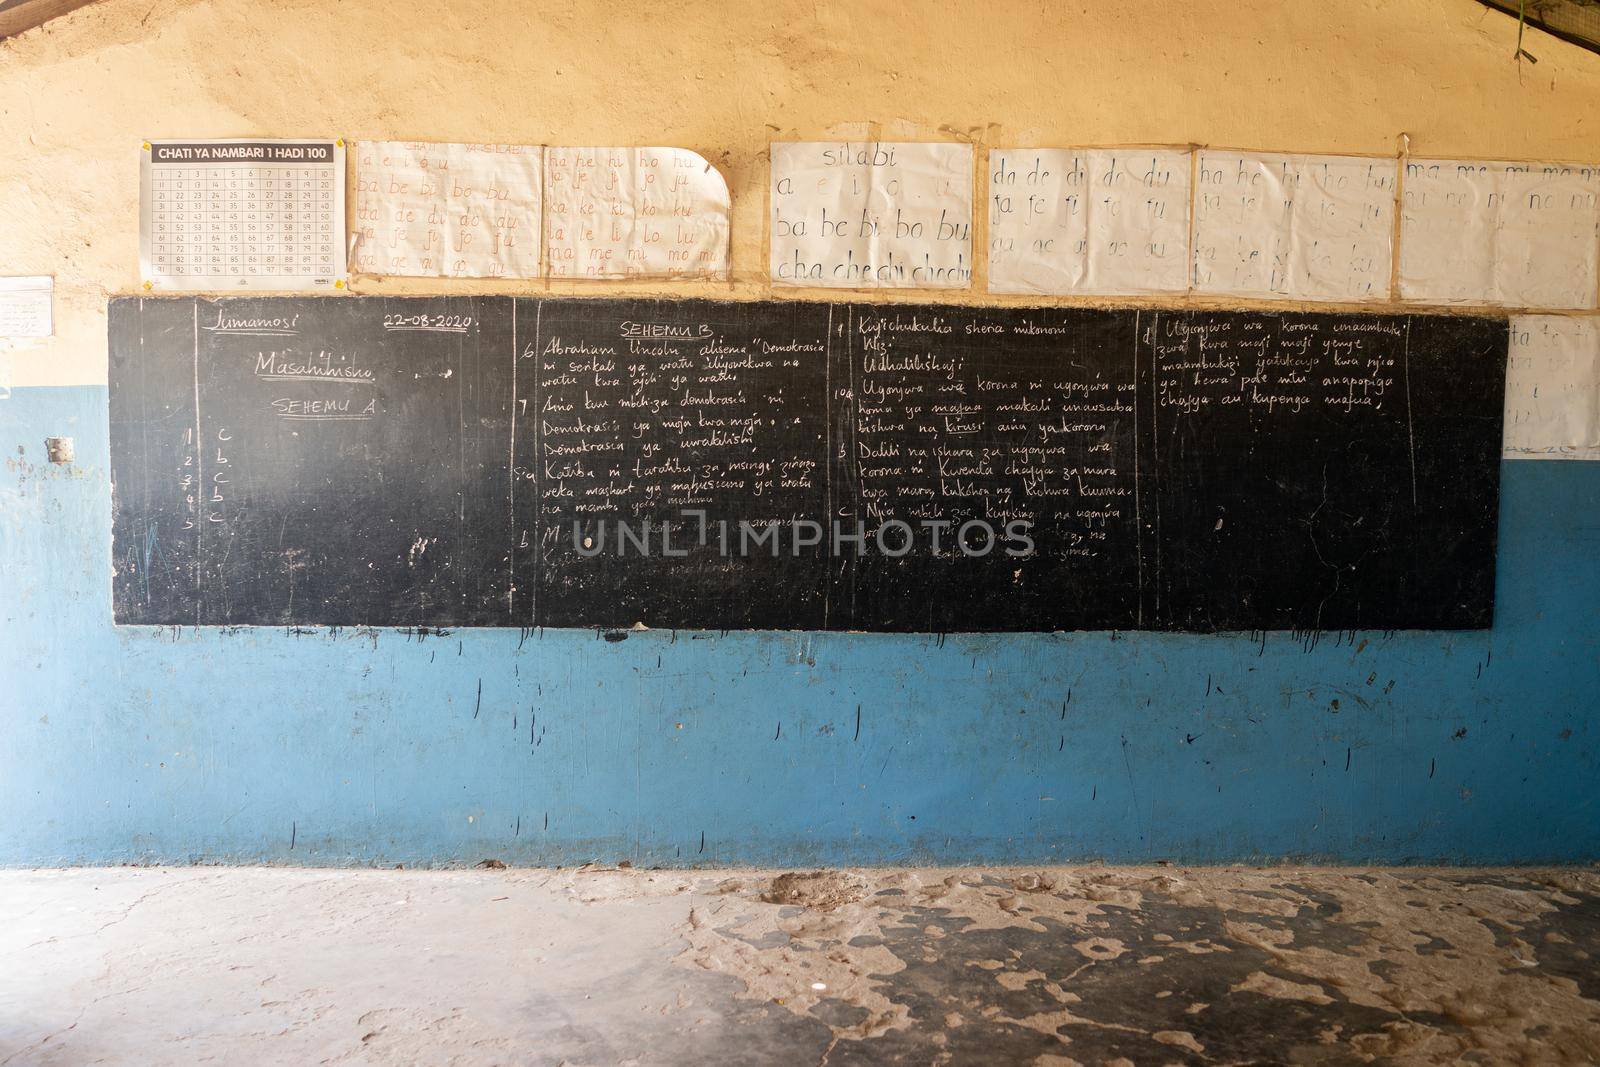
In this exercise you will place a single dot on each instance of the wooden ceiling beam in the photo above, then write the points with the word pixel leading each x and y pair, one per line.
pixel 16 16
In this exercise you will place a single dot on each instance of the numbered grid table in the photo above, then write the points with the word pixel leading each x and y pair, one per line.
pixel 230 215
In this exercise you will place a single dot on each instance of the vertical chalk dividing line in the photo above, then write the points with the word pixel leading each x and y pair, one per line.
pixel 1155 443
pixel 199 472
pixel 511 473
pixel 538 483
pixel 1138 517
pixel 1411 422
pixel 827 444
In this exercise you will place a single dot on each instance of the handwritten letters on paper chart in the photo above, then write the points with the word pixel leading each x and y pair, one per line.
pixel 871 215
pixel 1070 220
pixel 634 212
pixel 1306 227
pixel 1553 388
pixel 1514 234
pixel 447 210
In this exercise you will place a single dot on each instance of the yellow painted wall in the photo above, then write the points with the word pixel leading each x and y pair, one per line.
pixel 78 95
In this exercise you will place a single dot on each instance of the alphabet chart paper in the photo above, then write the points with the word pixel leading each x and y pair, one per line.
pixel 873 215
pixel 635 213
pixel 242 214
pixel 1269 224
pixel 1089 220
pixel 1553 388
pixel 1514 234
pixel 447 210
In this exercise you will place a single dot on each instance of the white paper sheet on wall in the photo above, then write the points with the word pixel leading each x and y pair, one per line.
pixel 240 215
pixel 1069 220
pixel 635 212
pixel 871 215
pixel 447 210
pixel 1553 388
pixel 1510 234
pixel 1299 226
pixel 25 310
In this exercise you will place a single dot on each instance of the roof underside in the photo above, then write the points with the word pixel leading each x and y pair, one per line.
pixel 1577 21
pixel 17 16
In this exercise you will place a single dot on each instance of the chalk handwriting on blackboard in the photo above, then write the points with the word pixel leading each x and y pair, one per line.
pixel 794 465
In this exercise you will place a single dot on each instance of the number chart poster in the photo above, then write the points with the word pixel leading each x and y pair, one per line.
pixel 242 215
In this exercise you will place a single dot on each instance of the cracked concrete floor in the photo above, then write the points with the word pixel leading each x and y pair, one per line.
pixel 1096 965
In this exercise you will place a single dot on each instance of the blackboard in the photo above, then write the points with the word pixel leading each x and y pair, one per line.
pixel 497 461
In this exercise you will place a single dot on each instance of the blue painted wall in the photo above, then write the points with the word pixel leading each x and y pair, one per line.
pixel 356 747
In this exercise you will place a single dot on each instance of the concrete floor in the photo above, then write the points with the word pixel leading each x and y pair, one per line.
pixel 591 966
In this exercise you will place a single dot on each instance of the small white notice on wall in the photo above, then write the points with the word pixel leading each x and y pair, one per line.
pixel 634 212
pixel 25 307
pixel 1511 234
pixel 1067 220
pixel 1553 388
pixel 447 210
pixel 242 214
pixel 871 215
pixel 1305 227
